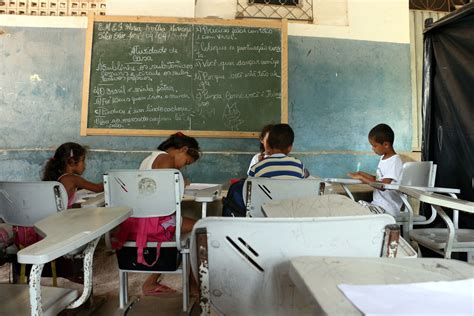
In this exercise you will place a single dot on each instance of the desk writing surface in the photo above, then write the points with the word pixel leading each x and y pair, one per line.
pixel 318 277
pixel 438 199
pixel 202 192
pixel 88 198
pixel 342 180
pixel 68 230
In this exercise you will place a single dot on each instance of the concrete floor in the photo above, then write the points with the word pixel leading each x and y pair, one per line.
pixel 105 290
pixel 105 287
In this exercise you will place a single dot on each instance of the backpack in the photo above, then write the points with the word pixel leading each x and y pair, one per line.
pixel 143 230
pixel 233 204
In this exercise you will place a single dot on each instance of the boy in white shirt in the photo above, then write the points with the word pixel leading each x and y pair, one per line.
pixel 389 170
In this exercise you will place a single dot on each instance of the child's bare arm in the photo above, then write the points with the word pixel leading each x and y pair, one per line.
pixel 386 180
pixel 82 183
pixel 362 176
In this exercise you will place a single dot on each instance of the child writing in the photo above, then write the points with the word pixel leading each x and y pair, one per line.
pixel 67 166
pixel 389 170
pixel 175 152
pixel 263 150
pixel 278 164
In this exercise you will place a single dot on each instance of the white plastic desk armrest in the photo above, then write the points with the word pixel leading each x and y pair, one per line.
pixel 439 201
pixel 344 182
pixel 385 186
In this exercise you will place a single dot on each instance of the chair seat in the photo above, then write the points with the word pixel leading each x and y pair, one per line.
pixel 435 238
pixel 16 300
pixel 403 218
pixel 166 244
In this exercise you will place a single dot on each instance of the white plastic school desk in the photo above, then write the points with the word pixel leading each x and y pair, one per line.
pixel 344 182
pixel 96 201
pixel 64 232
pixel 317 277
pixel 204 196
pixel 385 186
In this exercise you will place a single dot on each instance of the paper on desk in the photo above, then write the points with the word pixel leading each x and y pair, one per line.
pixel 83 195
pixel 427 298
pixel 200 186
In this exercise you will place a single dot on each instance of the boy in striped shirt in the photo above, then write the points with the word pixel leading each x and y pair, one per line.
pixel 278 165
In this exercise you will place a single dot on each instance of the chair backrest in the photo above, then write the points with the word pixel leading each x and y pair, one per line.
pixel 149 193
pixel 248 258
pixel 25 203
pixel 418 173
pixel 315 206
pixel 258 191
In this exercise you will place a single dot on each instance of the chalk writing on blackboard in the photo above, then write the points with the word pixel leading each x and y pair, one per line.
pixel 172 76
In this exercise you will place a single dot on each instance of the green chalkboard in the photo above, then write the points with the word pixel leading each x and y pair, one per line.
pixel 150 76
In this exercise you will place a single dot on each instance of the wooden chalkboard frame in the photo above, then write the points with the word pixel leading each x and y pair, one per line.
pixel 85 131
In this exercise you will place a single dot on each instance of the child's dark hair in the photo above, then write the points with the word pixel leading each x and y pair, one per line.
pixel 266 129
pixel 281 137
pixel 179 140
pixel 382 133
pixel 66 154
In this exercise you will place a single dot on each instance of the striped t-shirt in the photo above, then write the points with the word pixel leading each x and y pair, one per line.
pixel 278 166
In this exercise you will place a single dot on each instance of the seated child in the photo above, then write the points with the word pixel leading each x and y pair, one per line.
pixel 278 164
pixel 263 150
pixel 67 166
pixel 176 152
pixel 389 170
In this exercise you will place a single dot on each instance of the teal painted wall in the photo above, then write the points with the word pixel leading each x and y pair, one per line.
pixel 338 89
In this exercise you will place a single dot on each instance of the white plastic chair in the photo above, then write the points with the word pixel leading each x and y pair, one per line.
pixel 24 204
pixel 258 191
pixel 444 240
pixel 419 175
pixel 150 193
pixel 243 262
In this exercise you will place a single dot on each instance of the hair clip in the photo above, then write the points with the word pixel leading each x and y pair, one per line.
pixel 71 154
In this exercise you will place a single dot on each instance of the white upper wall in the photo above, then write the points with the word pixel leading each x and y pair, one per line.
pixel 168 8
pixel 370 20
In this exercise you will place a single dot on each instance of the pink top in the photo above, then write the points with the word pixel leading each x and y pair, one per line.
pixel 70 198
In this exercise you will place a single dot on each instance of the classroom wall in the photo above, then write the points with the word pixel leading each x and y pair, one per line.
pixel 344 77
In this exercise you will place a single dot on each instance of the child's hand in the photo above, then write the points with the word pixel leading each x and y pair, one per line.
pixel 355 175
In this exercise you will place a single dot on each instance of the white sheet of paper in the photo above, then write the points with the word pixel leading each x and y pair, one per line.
pixel 200 186
pixel 427 298
pixel 83 195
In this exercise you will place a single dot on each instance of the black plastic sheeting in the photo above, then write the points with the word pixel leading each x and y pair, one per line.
pixel 448 102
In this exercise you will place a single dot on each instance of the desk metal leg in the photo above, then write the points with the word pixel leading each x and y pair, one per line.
pixel 88 257
pixel 203 272
pixel 35 290
pixel 349 194
pixel 204 210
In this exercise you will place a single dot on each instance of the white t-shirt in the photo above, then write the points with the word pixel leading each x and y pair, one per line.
pixel 389 200
pixel 147 163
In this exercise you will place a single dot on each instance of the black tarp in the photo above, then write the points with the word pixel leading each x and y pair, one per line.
pixel 448 102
